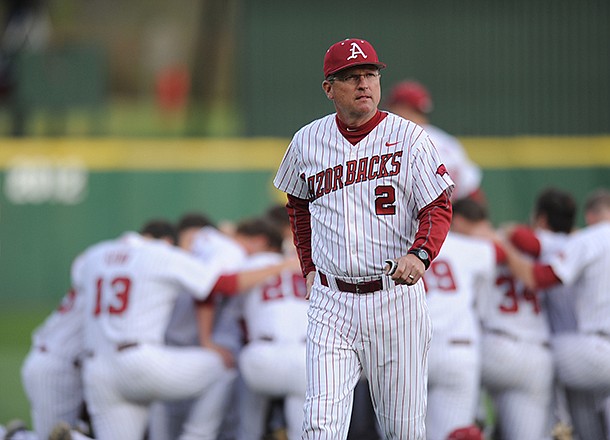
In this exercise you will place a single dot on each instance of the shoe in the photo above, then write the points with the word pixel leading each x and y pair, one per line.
pixel 562 431
pixel 15 429
pixel 61 431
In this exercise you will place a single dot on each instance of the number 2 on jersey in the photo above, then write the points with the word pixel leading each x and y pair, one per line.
pixel 112 296
pixel 385 201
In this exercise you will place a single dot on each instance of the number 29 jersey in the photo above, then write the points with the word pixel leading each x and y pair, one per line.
pixel 461 272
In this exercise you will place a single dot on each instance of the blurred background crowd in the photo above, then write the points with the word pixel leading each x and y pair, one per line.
pixel 210 67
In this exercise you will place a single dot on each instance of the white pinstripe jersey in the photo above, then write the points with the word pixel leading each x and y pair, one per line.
pixel 465 173
pixel 61 333
pixel 211 245
pixel 462 270
pixel 364 198
pixel 214 247
pixel 277 308
pixel 130 285
pixel 511 308
pixel 558 300
pixel 585 265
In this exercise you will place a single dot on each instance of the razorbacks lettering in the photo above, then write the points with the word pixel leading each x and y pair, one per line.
pixel 354 171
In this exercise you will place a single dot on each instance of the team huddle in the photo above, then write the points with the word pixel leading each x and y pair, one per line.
pixel 383 269
pixel 121 343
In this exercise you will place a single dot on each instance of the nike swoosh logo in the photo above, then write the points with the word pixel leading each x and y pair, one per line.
pixel 391 144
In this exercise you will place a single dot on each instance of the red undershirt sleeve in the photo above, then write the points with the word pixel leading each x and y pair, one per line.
pixel 434 222
pixel 544 276
pixel 500 254
pixel 524 239
pixel 225 285
pixel 300 223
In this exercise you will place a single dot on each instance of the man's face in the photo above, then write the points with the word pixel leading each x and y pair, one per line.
pixel 356 92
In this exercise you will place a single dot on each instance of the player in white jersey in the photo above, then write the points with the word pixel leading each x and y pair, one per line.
pixel 462 271
pixel 411 100
pixel 183 330
pixel 212 323
pixel 583 357
pixel 129 286
pixel 51 371
pixel 517 365
pixel 272 362
pixel 365 186
pixel 552 220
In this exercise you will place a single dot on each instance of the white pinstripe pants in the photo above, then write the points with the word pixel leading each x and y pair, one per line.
pixel 386 335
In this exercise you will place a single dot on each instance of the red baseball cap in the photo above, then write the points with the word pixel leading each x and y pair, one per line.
pixel 413 94
pixel 467 433
pixel 348 53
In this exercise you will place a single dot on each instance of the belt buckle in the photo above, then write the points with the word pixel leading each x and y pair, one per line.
pixel 360 285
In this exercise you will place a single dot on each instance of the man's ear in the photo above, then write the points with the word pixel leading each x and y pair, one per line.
pixel 328 89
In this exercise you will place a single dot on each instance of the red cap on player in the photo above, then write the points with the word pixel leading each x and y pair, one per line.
pixel 466 433
pixel 349 53
pixel 413 94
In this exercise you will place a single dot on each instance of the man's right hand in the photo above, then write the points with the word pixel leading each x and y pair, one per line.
pixel 309 279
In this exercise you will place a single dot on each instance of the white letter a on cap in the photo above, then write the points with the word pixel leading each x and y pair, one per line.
pixel 355 50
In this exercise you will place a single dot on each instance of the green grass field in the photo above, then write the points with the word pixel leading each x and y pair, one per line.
pixel 17 321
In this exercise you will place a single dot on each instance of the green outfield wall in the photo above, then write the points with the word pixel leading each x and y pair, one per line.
pixel 493 68
pixel 59 196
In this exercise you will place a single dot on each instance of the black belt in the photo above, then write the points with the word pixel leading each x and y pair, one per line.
pixel 507 335
pixel 512 337
pixel 126 345
pixel 266 338
pixel 362 287
pixel 460 341
pixel 119 347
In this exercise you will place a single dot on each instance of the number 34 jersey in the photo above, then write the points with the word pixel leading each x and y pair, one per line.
pixel 512 309
pixel 129 286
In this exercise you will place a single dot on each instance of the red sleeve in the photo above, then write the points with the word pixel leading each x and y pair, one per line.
pixel 434 222
pixel 544 276
pixel 300 223
pixel 225 285
pixel 526 241
pixel 500 254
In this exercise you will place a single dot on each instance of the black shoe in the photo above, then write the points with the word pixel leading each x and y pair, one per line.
pixel 13 428
pixel 61 431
